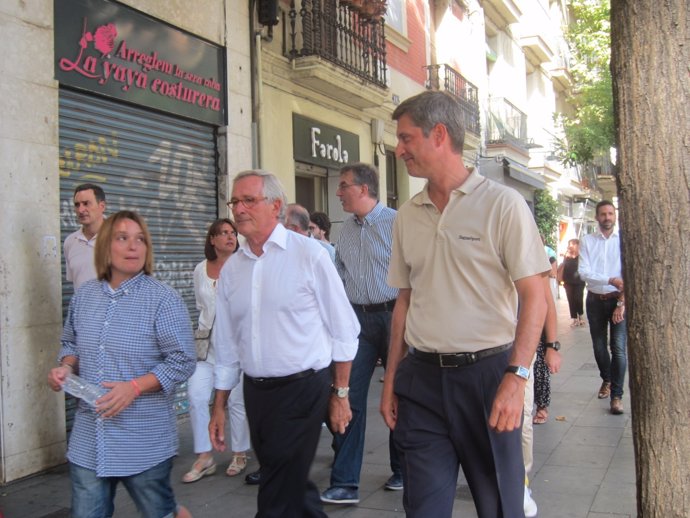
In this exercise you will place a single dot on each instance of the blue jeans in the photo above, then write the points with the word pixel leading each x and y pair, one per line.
pixel 349 447
pixel 611 366
pixel 92 496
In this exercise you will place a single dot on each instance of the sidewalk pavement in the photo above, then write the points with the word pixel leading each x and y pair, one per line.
pixel 584 464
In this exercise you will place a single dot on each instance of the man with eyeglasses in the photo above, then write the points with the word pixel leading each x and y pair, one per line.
pixel 283 318
pixel 362 254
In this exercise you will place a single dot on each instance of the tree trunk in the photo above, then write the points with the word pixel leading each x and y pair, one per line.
pixel 649 60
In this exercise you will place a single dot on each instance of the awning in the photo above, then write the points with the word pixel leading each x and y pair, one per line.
pixel 522 174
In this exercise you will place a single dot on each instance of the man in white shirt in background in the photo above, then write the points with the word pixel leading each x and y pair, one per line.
pixel 601 268
pixel 283 318
pixel 89 206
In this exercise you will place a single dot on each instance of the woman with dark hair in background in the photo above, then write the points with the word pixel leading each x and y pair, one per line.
pixel 221 243
pixel 573 285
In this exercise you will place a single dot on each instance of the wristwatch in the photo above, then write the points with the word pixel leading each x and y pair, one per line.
pixel 620 303
pixel 519 370
pixel 556 346
pixel 340 392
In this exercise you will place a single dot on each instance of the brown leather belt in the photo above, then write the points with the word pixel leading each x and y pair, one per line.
pixel 605 296
pixel 457 359
pixel 280 380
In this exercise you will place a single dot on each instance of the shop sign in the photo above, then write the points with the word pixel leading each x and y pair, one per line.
pixel 321 144
pixel 111 49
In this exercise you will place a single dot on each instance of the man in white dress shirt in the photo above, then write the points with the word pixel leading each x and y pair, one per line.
pixel 89 206
pixel 601 268
pixel 283 318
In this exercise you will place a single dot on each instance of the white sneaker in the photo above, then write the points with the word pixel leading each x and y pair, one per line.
pixel 529 504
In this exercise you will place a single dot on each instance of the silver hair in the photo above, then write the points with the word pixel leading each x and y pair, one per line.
pixel 272 188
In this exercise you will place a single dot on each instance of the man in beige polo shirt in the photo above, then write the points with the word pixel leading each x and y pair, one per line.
pixel 465 252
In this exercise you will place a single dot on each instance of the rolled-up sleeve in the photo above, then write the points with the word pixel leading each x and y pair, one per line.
pixel 175 339
pixel 226 371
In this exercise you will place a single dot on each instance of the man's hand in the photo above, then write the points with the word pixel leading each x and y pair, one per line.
pixel 339 413
pixel 552 358
pixel 389 403
pixel 216 429
pixel 506 412
pixel 618 315
pixel 617 282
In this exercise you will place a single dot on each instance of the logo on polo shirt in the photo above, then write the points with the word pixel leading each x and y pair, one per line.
pixel 468 238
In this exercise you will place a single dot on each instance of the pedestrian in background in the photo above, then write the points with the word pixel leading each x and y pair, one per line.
pixel 362 256
pixel 221 243
pixel 601 268
pixel 572 283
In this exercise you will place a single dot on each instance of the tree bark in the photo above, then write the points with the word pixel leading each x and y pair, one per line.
pixel 649 61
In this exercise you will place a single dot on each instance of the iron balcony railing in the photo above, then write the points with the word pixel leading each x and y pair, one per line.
pixel 446 78
pixel 349 34
pixel 506 123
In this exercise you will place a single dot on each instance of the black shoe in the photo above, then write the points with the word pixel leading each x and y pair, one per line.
pixel 253 478
pixel 395 482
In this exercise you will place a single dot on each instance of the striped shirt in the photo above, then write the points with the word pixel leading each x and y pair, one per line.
pixel 142 327
pixel 362 256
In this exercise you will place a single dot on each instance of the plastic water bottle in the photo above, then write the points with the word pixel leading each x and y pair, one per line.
pixel 83 389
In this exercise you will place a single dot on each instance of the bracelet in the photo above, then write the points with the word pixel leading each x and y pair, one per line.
pixel 66 364
pixel 136 387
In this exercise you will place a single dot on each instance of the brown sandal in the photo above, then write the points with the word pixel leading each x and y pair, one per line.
pixel 541 416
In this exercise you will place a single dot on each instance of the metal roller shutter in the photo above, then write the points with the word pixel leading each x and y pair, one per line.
pixel 160 166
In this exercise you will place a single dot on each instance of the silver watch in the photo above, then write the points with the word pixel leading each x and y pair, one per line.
pixel 340 392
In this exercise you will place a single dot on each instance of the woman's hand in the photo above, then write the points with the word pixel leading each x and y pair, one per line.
pixel 120 396
pixel 57 376
pixel 552 358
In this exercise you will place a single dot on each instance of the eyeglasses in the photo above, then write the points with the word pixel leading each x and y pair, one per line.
pixel 342 186
pixel 248 202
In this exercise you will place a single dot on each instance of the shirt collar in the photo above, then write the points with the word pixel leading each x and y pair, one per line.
pixel 372 216
pixel 279 237
pixel 82 237
pixel 470 184
pixel 126 286
pixel 602 236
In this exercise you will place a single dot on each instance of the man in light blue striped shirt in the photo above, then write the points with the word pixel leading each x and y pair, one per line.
pixel 362 255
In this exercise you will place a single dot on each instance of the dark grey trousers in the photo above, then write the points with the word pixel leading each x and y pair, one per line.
pixel 443 424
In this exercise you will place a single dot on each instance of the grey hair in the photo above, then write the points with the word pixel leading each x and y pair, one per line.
pixel 430 108
pixel 272 188
pixel 364 174
pixel 298 216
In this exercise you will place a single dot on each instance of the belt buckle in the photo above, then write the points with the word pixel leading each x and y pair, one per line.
pixel 442 355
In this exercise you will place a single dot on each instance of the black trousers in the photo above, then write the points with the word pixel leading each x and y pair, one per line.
pixel 575 295
pixel 285 425
pixel 442 424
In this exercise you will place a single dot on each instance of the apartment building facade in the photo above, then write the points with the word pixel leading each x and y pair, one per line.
pixel 183 97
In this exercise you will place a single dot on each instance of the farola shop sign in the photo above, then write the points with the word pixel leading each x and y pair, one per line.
pixel 318 143
pixel 108 48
